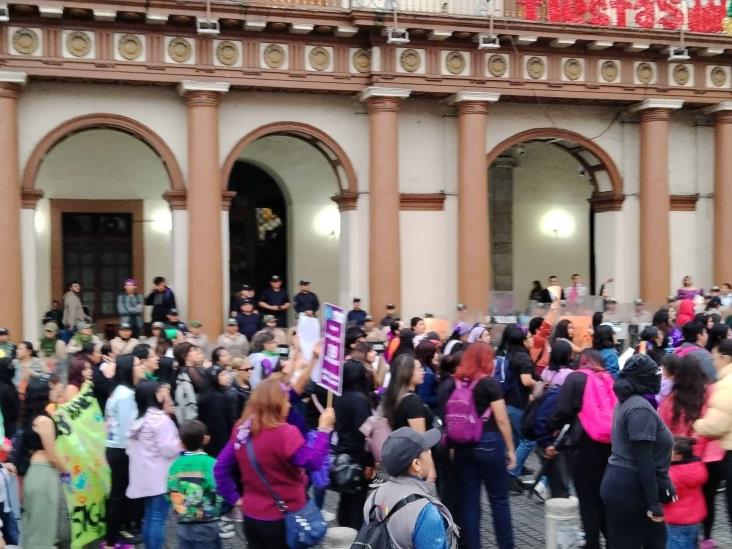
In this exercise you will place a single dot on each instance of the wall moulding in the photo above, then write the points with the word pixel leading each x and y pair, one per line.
pixel 422 202
pixel 683 202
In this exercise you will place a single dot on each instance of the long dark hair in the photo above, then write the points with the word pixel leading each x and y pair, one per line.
pixel 76 370
pixel 425 353
pixel 561 355
pixel 146 396
pixel 28 345
pixel 513 340
pixel 603 338
pixel 402 370
pixel 124 371
pixel 561 330
pixel 406 343
pixel 688 391
pixel 717 333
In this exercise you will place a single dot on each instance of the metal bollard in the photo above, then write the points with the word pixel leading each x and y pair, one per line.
pixel 339 537
pixel 563 526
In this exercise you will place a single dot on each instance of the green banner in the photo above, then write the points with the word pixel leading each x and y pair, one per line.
pixel 80 442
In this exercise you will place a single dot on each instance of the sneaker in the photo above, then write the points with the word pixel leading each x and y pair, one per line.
pixel 130 538
pixel 540 491
pixel 227 530
pixel 528 471
pixel 708 544
pixel 328 516
pixel 516 486
pixel 235 515
pixel 378 481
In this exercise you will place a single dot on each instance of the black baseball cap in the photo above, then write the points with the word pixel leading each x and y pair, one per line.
pixel 125 326
pixel 390 306
pixel 403 446
pixel 274 278
pixel 173 312
pixel 246 288
pixel 357 300
pixel 353 333
pixel 246 301
pixel 304 282
pixel 4 331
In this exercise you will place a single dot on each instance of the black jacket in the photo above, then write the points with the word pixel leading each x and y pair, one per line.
pixel 306 301
pixel 161 303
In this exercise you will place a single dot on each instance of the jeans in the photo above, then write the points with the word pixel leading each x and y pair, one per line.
pixel 157 509
pixel 10 530
pixel 198 535
pixel 524 447
pixel 265 534
pixel 682 536
pixel 486 461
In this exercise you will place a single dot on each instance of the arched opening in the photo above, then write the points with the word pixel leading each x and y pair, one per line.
pixel 546 187
pixel 282 219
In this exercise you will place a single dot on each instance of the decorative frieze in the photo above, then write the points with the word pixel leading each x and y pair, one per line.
pixel 227 53
pixel 274 56
pixel 180 50
pixel 25 41
pixel 78 44
pixel 129 47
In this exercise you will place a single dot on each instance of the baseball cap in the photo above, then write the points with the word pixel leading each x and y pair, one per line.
pixel 50 326
pixel 403 446
pixel 715 289
pixel 195 323
pixel 671 299
pixel 82 326
pixel 246 300
pixel 158 325
pixel 4 331
pixel 304 282
pixel 612 300
pixel 638 302
pixel 125 326
pixel 353 333
pixel 611 325
pixel 357 300
pixel 173 312
pixel 246 288
pixel 269 318
pixel 460 307
pixel 232 322
pixel 274 278
pixel 390 306
pixel 368 318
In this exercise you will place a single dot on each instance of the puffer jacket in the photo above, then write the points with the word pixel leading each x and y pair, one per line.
pixel 152 445
pixel 690 508
pixel 717 421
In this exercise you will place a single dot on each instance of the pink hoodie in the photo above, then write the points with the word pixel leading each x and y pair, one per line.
pixel 152 444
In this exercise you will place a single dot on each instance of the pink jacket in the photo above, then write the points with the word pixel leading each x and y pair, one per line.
pixel 152 445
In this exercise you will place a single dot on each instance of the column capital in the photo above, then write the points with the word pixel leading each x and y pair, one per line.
pixel 467 96
pixel 176 198
pixel 30 197
pixel 202 94
pixel 379 99
pixel 722 112
pixel 12 83
pixel 656 109
pixel 226 198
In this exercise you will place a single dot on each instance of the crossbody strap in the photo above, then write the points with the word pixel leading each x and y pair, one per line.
pixel 281 505
pixel 399 505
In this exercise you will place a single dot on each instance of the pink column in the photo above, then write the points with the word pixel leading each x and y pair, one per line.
pixel 205 269
pixel 384 243
pixel 474 241
pixel 722 114
pixel 11 288
pixel 655 247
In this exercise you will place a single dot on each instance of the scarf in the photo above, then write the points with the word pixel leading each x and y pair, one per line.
pixel 48 346
pixel 82 338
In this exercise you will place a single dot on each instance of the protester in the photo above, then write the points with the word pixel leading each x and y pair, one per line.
pixel 189 381
pixel 404 344
pixel 427 355
pixel 422 521
pixel 9 400
pixel 280 452
pixel 716 333
pixel 80 370
pixel 40 466
pixel 73 310
pixel 457 340
pixel 149 361
pixel 636 480
pixel 401 405
pixel 536 291
pixel 264 357
pixel 240 390
pixel 131 306
pixel 152 446
pixel 688 290
pixel 653 340
pixel 192 491
pixel 564 329
pixel 488 460
pixel 213 409
pixel 27 365
pixel 234 342
pixel 161 298
pixel 540 330
pixel 603 341
pixel 695 339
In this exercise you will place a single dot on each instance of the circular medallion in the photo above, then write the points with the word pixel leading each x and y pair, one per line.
pixel 129 47
pixel 718 76
pixel 362 60
pixel 497 65
pixel 78 43
pixel 227 53
pixel 25 41
pixel 410 60
pixel 644 72
pixel 455 62
pixel 274 56
pixel 681 75
pixel 609 71
pixel 535 67
pixel 572 69
pixel 180 50
pixel 319 58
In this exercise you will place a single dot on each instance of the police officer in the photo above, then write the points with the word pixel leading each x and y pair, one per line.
pixel 306 301
pixel 275 301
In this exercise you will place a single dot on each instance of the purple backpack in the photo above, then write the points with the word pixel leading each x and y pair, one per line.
pixel 463 425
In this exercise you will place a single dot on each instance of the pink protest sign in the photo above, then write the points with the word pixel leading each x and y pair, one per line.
pixel 331 370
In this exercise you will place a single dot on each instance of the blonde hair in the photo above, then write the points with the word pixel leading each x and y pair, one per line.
pixel 267 406
pixel 238 362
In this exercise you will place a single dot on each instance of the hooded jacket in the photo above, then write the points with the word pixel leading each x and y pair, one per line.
pixel 152 444
pixel 688 478
pixel 717 420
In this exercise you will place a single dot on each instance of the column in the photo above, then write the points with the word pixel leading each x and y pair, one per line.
pixel 655 260
pixel 474 240
pixel 384 240
pixel 179 240
pixel 205 268
pixel 722 114
pixel 11 289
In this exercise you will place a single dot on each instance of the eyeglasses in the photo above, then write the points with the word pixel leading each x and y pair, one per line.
pixel 246 369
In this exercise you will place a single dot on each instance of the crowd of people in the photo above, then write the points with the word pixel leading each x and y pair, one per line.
pixel 214 434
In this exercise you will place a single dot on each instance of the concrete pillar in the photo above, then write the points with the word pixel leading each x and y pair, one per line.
pixel 384 243
pixel 204 201
pixel 500 183
pixel 655 250
pixel 11 289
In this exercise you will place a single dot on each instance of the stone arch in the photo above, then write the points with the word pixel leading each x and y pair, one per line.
pixel 103 121
pixel 326 145
pixel 601 200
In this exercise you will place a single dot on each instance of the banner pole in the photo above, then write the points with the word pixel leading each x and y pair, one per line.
pixel 330 399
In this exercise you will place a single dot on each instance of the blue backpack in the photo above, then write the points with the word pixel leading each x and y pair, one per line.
pixel 504 375
pixel 535 423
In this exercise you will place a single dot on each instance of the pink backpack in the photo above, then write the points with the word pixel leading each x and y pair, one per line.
pixel 463 425
pixel 598 404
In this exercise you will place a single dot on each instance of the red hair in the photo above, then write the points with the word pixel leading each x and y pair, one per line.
pixel 477 362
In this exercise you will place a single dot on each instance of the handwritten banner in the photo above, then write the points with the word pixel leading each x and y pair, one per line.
pixel 80 442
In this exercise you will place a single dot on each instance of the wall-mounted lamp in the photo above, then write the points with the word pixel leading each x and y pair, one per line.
pixel 327 222
pixel 557 223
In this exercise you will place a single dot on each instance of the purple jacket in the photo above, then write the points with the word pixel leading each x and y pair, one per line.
pixel 152 444
pixel 310 456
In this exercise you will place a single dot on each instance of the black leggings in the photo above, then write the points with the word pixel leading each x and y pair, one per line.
pixel 350 508
pixel 715 470
pixel 265 534
pixel 628 525
pixel 120 509
pixel 588 467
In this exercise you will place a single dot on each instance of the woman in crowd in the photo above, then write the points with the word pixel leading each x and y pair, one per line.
pixel 565 330
pixel 120 413
pixel 685 313
pixel 9 401
pixel 27 365
pixel 480 333
pixel 281 453
pixel 589 449
pixel 654 341
pixel 603 341
pixel 537 291
pixel 130 307
pixel 402 406
pixel 405 346
pixel 518 383
pixel 189 380
pixel 264 357
pixel 686 403
pixel 80 370
pixel 153 445
pixel 717 333
pixel 716 420
pixel 40 466
pixel 457 340
pixel 636 478
pixel 241 390
pixel 688 290
pixel 220 357
pixel 427 355
pixel 352 409
pixel 488 460
pixel 213 409
pixel 560 364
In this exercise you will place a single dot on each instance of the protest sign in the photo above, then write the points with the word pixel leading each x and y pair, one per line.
pixel 308 334
pixel 80 443
pixel 331 363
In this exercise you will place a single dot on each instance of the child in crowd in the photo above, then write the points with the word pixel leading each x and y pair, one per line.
pixel 192 491
pixel 688 474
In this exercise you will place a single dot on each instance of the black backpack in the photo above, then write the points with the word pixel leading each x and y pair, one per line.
pixel 375 535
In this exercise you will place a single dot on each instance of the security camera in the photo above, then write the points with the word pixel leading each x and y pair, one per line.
pixel 678 54
pixel 488 42
pixel 4 13
pixel 207 26
pixel 397 36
